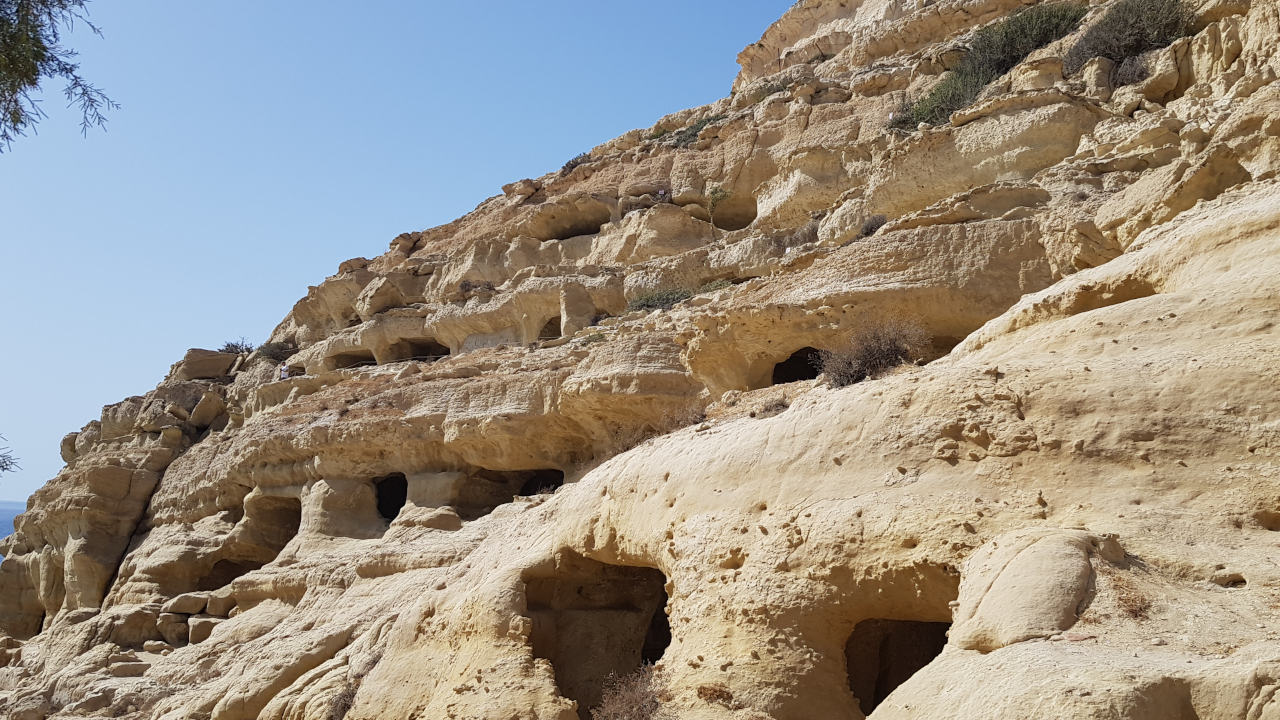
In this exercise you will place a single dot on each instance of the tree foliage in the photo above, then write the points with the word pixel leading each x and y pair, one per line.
pixel 31 50
pixel 8 463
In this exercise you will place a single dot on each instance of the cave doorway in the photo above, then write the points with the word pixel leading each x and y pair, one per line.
pixel 593 620
pixel 268 523
pixel 417 349
pixel 882 654
pixel 485 490
pixel 355 358
pixel 540 482
pixel 393 493
pixel 550 331
pixel 803 364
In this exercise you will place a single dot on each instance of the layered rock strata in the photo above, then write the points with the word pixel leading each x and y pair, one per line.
pixel 501 471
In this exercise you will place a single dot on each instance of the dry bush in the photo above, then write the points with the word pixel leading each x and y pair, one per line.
pixel 1132 71
pixel 871 226
pixel 717 695
pixel 340 704
pixel 659 299
pixel 236 346
pixel 278 351
pixel 636 696
pixel 1130 599
pixel 771 408
pixel 873 351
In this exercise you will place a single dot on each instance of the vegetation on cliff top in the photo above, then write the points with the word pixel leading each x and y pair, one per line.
pixel 993 51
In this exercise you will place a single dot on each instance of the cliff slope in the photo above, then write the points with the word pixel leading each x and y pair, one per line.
pixel 584 427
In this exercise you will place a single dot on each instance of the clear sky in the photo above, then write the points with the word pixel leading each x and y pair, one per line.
pixel 259 144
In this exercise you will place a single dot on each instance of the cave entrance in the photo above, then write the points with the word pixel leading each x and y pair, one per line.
pixel 393 492
pixel 593 620
pixel 540 482
pixel 485 490
pixel 803 364
pixel 882 654
pixel 735 212
pixel 417 349
pixel 354 358
pixel 268 524
pixel 551 330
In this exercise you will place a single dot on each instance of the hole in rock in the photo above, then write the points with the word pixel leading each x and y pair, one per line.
pixel 881 654
pixel 1268 519
pixel 485 490
pixel 593 620
pixel 735 212
pixel 563 222
pixel 541 481
pixel 355 358
pixel 804 364
pixel 224 571
pixel 393 492
pixel 269 523
pixel 417 349
pixel 551 330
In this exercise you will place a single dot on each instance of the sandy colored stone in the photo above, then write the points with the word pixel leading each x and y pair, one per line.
pixel 501 474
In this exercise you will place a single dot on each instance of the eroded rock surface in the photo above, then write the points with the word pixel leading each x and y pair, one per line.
pixel 500 471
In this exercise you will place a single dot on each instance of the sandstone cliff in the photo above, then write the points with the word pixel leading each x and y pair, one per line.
pixel 499 474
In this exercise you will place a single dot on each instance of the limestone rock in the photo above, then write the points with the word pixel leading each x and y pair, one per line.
pixel 608 418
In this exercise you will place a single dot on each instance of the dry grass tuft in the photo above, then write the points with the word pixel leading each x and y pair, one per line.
pixel 636 696
pixel 1130 599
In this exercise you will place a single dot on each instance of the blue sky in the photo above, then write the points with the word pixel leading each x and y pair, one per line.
pixel 259 144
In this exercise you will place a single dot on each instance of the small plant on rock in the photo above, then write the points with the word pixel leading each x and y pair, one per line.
pixel 1130 28
pixel 574 162
pixel 871 226
pixel 635 696
pixel 659 299
pixel 715 285
pixel 689 135
pixel 873 351
pixel 236 346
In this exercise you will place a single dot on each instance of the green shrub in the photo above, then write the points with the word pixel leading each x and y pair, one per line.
pixel 574 162
pixel 236 346
pixel 1130 28
pixel 993 51
pixel 689 135
pixel 659 300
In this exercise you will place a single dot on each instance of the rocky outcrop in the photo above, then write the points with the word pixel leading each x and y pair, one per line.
pixel 581 428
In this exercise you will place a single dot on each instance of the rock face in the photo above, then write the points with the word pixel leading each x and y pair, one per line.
pixel 502 472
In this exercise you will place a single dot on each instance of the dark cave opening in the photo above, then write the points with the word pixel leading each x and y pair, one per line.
pixel 393 492
pixel 882 654
pixel 541 481
pixel 592 621
pixel 803 364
